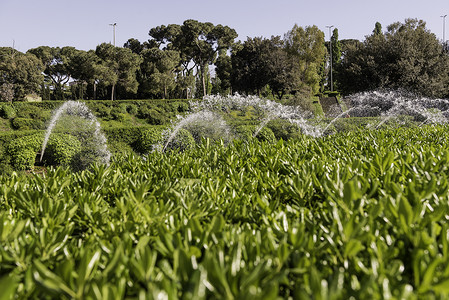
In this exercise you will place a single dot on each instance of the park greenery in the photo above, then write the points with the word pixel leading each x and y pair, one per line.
pixel 199 58
pixel 241 211
pixel 360 214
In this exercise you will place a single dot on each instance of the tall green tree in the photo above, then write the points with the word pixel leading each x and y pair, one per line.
pixel 377 29
pixel 336 57
pixel 57 66
pixel 20 73
pixel 159 69
pixel 250 65
pixel 198 44
pixel 307 45
pixel 119 66
pixel 407 56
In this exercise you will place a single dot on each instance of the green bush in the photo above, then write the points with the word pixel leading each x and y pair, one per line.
pixel 182 141
pixel 25 124
pixel 244 132
pixel 148 139
pixel 61 148
pixel 7 111
pixel 118 114
pixel 265 134
pixel 157 118
pixel 132 109
pixel 32 112
pixel 22 151
pixel 283 129
pixel 102 111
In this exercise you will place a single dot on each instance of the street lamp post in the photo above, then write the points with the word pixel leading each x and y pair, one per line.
pixel 113 25
pixel 330 44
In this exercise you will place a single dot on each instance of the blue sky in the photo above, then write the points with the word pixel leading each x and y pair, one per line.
pixel 85 23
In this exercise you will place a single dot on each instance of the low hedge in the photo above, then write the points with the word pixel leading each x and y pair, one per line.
pixel 60 150
pixel 7 111
pixel 148 139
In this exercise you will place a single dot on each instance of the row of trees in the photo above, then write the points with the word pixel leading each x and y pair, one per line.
pixel 195 58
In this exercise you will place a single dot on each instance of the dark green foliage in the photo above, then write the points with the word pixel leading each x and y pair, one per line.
pixel 355 215
pixel 7 111
pixel 244 132
pixel 101 110
pixel 182 141
pixel 118 113
pixel 25 124
pixel 266 135
pixel 61 149
pixel 31 111
pixel 283 129
pixel 132 109
pixel 155 117
pixel 148 139
pixel 23 151
pixel 408 56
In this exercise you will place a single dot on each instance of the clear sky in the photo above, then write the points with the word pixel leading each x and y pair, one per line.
pixel 85 23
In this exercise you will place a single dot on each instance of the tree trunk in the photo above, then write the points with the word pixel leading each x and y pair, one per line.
pixel 95 91
pixel 112 92
pixel 203 75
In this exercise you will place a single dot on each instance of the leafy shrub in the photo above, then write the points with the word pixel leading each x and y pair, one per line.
pixel 244 132
pixel 265 134
pixel 23 151
pixel 25 123
pixel 7 111
pixel 102 111
pixel 148 139
pixel 118 114
pixel 283 129
pixel 132 109
pixel 61 148
pixel 157 118
pixel 180 106
pixel 32 112
pixel 143 111
pixel 182 141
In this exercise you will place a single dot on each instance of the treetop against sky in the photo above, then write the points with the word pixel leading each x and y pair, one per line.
pixel 84 24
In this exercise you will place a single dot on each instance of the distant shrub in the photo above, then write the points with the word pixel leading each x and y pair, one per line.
pixel 148 139
pixel 182 141
pixel 157 118
pixel 22 151
pixel 61 148
pixel 132 109
pixel 23 123
pixel 266 134
pixel 102 111
pixel 7 111
pixel 31 111
pixel 118 114
pixel 244 132
pixel 283 129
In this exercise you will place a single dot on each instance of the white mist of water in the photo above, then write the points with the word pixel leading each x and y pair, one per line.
pixel 91 126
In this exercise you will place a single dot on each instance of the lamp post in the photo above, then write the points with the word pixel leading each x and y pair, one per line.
pixel 330 44
pixel 113 25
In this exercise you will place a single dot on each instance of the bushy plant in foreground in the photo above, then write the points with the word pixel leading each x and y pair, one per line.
pixel 61 149
pixel 358 215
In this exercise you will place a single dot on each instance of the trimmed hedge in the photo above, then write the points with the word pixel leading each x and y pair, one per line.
pixel 60 150
pixel 182 141
pixel 7 111
pixel 149 139
pixel 246 132
pixel 23 150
